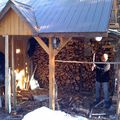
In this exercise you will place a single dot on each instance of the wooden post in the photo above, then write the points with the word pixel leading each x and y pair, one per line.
pixel 9 91
pixel 118 86
pixel 117 75
pixel 118 92
pixel 7 77
pixel 51 76
pixel 115 9
pixel 13 75
pixel 52 53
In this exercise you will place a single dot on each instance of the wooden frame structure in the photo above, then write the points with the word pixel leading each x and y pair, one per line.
pixel 22 27
pixel 52 53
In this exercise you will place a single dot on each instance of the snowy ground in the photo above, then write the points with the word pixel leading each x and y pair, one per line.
pixel 45 113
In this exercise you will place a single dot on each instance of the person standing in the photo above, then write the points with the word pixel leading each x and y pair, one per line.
pixel 102 78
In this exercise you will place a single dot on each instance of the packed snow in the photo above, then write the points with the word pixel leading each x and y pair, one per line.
pixel 45 113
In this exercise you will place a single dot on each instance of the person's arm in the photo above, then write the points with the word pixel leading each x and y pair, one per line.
pixel 105 69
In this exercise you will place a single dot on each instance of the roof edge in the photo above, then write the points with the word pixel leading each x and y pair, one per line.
pixel 75 34
pixel 5 9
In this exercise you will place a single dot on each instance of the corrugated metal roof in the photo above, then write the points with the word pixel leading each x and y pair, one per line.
pixel 74 16
pixel 68 16
pixel 27 12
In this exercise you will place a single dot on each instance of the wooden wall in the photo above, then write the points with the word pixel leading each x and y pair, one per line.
pixel 2 45
pixel 20 42
pixel 12 24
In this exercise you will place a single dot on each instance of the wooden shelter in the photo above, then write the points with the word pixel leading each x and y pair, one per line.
pixel 38 19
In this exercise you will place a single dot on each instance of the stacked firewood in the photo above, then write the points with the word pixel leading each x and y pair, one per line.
pixel 71 76
pixel 74 76
pixel 40 59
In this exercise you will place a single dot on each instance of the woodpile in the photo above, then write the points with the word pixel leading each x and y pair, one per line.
pixel 71 76
pixel 40 59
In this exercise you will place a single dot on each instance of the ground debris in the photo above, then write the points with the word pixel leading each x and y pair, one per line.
pixel 75 104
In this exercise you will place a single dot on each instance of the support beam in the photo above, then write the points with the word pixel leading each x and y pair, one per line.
pixel 52 53
pixel 42 44
pixel 7 77
pixel 118 92
pixel 85 62
pixel 117 75
pixel 13 75
pixel 52 96
pixel 63 42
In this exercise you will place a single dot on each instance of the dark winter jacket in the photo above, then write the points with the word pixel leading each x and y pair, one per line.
pixel 102 72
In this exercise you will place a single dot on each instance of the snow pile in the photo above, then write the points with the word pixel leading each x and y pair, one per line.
pixel 34 84
pixel 44 113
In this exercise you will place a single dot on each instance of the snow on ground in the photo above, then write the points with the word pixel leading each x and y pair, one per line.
pixel 45 113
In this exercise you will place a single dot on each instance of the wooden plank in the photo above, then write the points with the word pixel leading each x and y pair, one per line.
pixel 118 93
pixel 2 44
pixel 86 62
pixel 63 42
pixel 13 75
pixel 52 96
pixel 108 46
pixel 12 24
pixel 42 44
pixel 114 25
pixel 117 75
pixel 7 78
pixel 25 21
pixel 115 9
